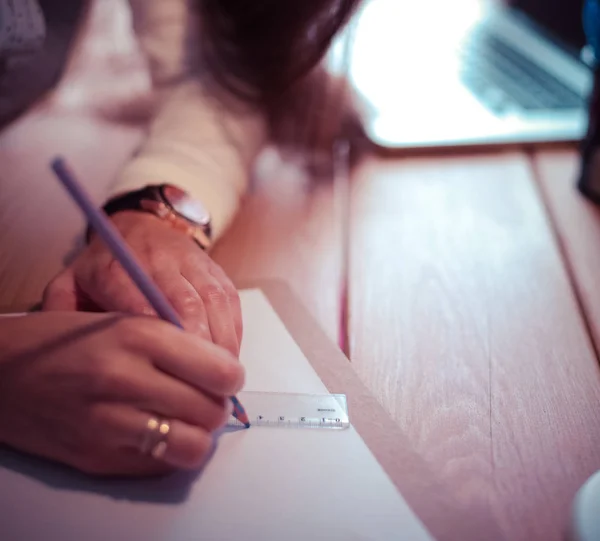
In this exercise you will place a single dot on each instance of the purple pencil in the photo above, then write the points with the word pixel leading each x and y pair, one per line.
pixel 117 245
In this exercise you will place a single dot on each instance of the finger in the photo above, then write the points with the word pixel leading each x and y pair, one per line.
pixel 123 462
pixel 198 362
pixel 185 300
pixel 153 390
pixel 130 462
pixel 61 293
pixel 209 368
pixel 186 446
pixel 234 300
pixel 216 303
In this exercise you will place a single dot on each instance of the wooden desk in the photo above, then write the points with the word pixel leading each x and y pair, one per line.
pixel 577 227
pixel 465 297
pixel 465 325
pixel 463 322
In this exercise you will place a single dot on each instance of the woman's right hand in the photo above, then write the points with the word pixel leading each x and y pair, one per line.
pixel 80 388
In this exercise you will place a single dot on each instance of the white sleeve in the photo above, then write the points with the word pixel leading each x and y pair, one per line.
pixel 201 142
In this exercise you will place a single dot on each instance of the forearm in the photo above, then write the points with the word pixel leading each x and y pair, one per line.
pixel 200 140
pixel 202 146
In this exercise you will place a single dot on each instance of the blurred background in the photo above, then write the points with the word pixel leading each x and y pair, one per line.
pixel 471 72
pixel 422 74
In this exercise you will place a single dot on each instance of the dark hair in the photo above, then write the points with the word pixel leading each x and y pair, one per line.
pixel 257 49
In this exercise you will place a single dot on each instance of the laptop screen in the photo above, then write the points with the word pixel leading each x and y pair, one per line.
pixel 561 19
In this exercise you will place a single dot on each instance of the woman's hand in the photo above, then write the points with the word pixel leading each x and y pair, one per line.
pixel 80 389
pixel 197 287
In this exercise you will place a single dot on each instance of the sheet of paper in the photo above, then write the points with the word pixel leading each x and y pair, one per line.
pixel 261 484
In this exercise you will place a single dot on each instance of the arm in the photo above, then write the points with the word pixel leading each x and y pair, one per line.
pixel 199 140
pixel 72 385
pixel 204 143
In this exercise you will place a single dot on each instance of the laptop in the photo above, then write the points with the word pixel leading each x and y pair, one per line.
pixel 466 72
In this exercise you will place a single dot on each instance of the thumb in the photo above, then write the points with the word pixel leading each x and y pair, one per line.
pixel 61 293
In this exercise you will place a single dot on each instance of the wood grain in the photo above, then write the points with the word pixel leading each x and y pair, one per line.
pixel 464 324
pixel 577 227
pixel 429 498
pixel 463 320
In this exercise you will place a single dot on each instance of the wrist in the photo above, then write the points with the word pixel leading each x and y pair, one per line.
pixel 130 220
pixel 168 203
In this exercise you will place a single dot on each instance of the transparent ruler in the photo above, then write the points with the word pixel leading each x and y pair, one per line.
pixel 289 410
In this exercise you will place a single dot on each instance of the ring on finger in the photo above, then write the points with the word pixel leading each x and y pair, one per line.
pixel 154 441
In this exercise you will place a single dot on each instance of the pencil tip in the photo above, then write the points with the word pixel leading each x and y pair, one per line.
pixel 247 425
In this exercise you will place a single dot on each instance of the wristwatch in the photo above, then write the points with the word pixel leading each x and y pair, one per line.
pixel 171 204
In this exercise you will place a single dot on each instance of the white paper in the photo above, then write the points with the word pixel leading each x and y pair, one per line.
pixel 261 484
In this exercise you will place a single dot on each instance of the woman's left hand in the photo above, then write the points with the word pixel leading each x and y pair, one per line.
pixel 196 286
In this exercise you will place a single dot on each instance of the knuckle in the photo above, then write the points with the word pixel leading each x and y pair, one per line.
pixel 232 294
pixel 130 302
pixel 139 308
pixel 108 377
pixel 203 330
pixel 190 304
pixel 223 280
pixel 213 294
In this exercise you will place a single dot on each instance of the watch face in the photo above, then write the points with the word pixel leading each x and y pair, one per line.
pixel 186 206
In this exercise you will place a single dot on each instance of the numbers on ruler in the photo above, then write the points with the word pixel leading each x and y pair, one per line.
pixel 299 422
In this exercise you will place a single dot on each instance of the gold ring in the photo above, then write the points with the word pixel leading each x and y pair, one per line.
pixel 160 447
pixel 155 435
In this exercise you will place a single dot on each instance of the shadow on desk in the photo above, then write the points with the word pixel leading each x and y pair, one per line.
pixel 167 489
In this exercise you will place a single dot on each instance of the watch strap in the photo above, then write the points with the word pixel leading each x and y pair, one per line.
pixel 129 201
pixel 133 201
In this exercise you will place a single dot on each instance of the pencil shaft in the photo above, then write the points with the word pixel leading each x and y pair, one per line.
pixel 117 245
pixel 112 238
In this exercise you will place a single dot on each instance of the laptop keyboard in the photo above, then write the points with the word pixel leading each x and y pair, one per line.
pixel 503 79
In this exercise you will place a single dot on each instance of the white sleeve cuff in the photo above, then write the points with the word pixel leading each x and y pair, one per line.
pixel 202 147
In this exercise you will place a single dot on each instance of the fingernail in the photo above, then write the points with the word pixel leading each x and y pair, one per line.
pixel 228 409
